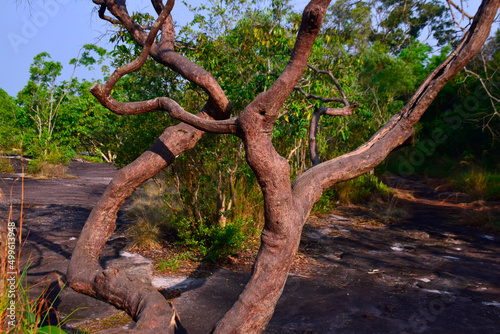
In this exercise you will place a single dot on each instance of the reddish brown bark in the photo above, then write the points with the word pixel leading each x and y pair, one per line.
pixel 286 206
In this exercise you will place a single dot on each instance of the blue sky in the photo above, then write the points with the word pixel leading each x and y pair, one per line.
pixel 61 28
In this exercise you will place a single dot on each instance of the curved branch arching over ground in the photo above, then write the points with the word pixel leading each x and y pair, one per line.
pixel 286 206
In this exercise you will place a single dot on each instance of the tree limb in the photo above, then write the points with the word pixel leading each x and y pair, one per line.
pixel 218 105
pixel 311 183
pixel 313 127
pixel 103 92
pixel 273 99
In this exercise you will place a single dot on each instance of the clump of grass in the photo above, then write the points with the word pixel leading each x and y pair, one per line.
pixel 47 170
pixel 171 264
pixel 391 212
pixel 145 234
pixel 118 320
pixel 363 189
pixel 147 210
pixel 478 183
pixel 5 166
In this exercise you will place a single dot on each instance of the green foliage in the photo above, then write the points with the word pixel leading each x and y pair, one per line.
pixel 31 315
pixel 359 190
pixel 213 242
pixel 9 135
pixel 478 183
pixel 171 264
pixel 5 166
pixel 51 160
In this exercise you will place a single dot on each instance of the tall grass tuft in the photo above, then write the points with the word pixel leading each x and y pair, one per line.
pixel 5 165
pixel 359 190
pixel 147 209
pixel 478 183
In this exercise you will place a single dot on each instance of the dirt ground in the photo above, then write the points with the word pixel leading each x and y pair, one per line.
pixel 356 271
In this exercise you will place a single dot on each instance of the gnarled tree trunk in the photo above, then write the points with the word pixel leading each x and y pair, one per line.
pixel 287 206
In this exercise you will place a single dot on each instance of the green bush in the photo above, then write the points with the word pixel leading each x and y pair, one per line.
pixel 5 166
pixel 361 189
pixel 213 242
pixel 478 183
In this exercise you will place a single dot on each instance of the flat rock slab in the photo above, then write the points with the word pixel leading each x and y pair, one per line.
pixel 356 305
pixel 85 187
pixel 423 275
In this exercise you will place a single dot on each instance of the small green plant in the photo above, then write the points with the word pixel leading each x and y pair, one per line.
pixel 478 183
pixel 91 158
pixel 359 190
pixel 5 166
pixel 30 315
pixel 171 263
pixel 213 242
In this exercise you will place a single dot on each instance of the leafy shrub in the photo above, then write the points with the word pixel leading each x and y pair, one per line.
pixel 478 184
pixel 361 189
pixel 5 166
pixel 44 169
pixel 213 242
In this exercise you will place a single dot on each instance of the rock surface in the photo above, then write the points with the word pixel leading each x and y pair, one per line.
pixel 423 274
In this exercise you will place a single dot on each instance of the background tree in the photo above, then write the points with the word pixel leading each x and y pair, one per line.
pixel 286 206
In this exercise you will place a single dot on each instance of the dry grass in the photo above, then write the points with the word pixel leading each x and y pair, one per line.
pixel 478 184
pixel 45 170
pixel 148 212
pixel 5 166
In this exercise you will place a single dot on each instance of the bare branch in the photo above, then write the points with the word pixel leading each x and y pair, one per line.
pixel 335 81
pixel 138 62
pixel 218 105
pixel 316 97
pixel 166 104
pixel 313 127
pixel 460 9
pixel 492 98
pixel 103 92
